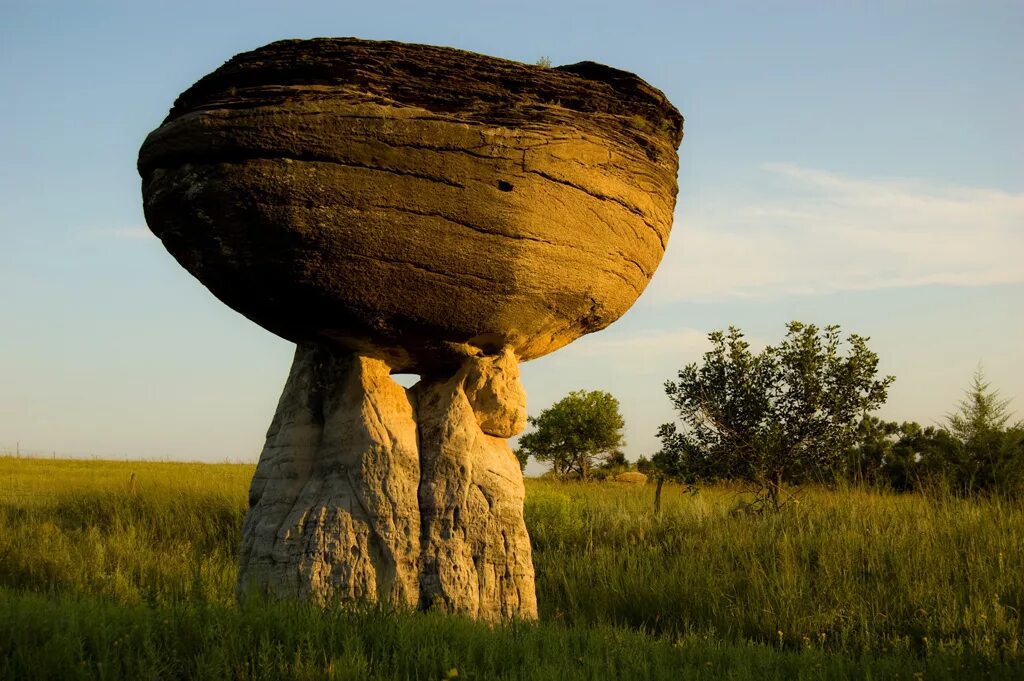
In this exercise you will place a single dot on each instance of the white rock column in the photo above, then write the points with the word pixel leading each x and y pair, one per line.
pixel 475 551
pixel 333 505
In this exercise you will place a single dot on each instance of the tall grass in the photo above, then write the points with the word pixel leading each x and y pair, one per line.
pixel 127 569
pixel 133 532
pixel 853 571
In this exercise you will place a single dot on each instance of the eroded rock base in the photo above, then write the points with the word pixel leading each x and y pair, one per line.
pixel 368 491
pixel 333 511
pixel 475 552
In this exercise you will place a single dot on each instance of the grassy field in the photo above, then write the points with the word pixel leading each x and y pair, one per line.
pixel 125 570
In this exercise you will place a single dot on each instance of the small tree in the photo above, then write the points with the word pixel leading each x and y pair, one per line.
pixel 919 459
pixel 785 415
pixel 615 461
pixel 983 453
pixel 575 432
pixel 981 411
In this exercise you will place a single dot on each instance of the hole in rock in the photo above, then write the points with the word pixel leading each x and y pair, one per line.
pixel 489 343
pixel 504 186
pixel 406 380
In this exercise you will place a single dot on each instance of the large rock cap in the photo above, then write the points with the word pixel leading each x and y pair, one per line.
pixel 416 203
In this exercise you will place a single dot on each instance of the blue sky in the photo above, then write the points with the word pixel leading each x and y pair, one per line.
pixel 847 163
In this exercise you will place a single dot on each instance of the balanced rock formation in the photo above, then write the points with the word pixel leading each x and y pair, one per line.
pixel 398 208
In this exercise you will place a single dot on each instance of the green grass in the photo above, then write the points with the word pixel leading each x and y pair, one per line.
pixel 125 570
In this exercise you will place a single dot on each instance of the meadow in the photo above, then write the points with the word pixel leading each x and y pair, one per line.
pixel 125 570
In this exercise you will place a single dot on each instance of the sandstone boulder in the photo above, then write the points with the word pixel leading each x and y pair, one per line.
pixel 476 556
pixel 633 477
pixel 418 204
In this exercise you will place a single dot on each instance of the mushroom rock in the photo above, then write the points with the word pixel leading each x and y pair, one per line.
pixel 396 208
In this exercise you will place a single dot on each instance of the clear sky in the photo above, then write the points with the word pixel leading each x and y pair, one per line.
pixel 851 163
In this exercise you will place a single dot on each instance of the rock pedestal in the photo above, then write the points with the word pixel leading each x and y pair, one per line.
pixel 368 491
pixel 475 550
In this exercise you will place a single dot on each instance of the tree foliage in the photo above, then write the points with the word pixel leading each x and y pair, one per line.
pixel 785 415
pixel 977 451
pixel 895 455
pixel 981 411
pixel 885 453
pixel 986 452
pixel 575 432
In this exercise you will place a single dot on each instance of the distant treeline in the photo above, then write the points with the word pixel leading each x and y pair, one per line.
pixel 794 413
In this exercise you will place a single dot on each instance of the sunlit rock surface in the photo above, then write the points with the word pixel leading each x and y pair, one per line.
pixel 416 202
pixel 406 208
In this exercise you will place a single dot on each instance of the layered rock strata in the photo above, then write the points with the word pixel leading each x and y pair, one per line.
pixel 417 203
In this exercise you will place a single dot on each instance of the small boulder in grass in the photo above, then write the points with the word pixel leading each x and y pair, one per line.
pixel 634 477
